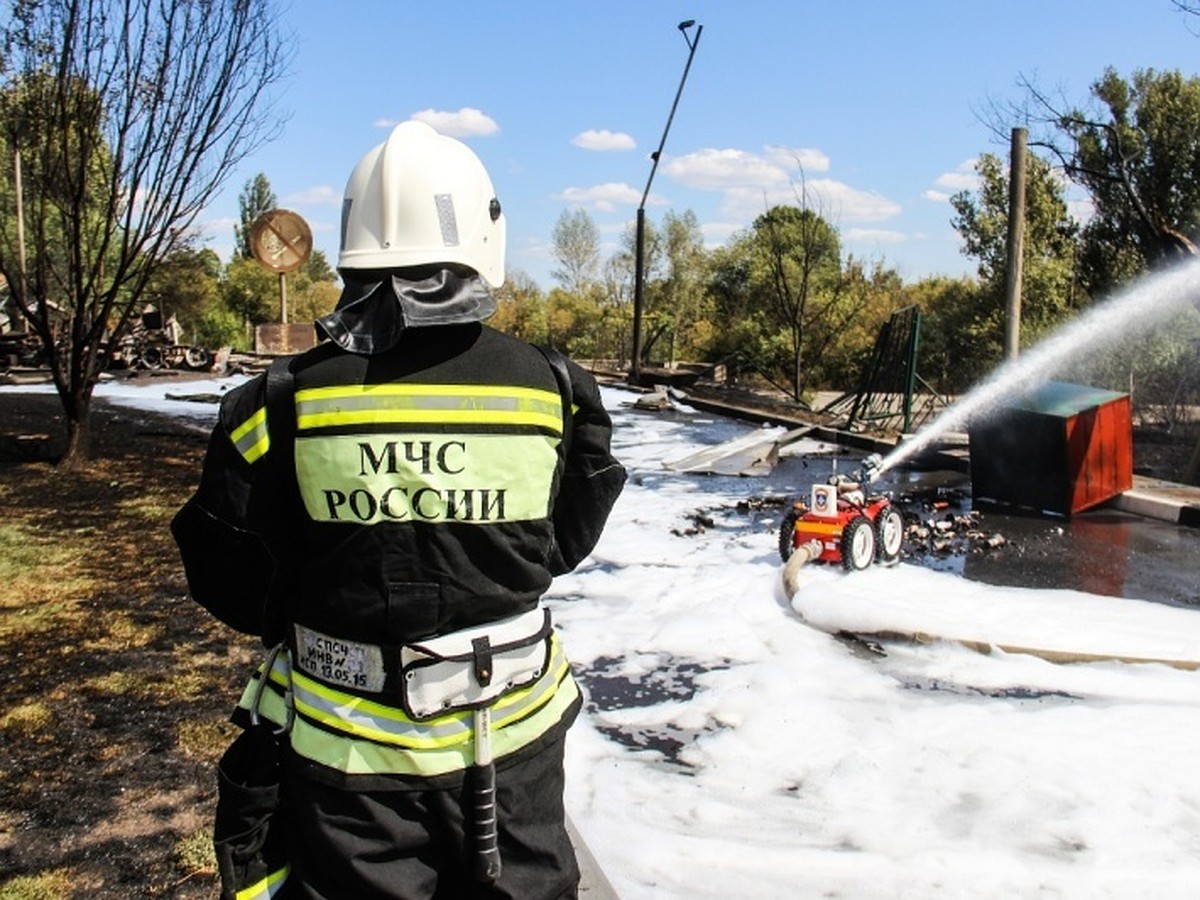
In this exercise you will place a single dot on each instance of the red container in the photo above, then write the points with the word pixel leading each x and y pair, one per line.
pixel 1059 448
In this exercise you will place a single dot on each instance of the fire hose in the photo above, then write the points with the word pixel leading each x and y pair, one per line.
pixel 805 553
pixel 810 550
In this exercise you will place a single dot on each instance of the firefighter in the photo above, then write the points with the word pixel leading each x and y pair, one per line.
pixel 386 510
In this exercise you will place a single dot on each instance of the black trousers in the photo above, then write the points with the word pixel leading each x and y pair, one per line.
pixel 416 845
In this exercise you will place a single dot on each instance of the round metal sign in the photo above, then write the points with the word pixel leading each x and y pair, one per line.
pixel 281 240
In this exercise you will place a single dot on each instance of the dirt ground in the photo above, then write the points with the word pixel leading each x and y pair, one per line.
pixel 118 687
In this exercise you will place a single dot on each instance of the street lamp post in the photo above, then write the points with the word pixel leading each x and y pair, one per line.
pixel 635 367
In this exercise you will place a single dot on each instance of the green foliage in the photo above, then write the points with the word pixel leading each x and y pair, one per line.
pixel 317 268
pixel 573 320
pixel 218 326
pixel 186 284
pixel 1138 157
pixel 520 309
pixel 251 291
pixel 957 346
pixel 791 309
pixel 309 300
pixel 1049 291
pixel 842 338
pixel 255 199
pixel 683 304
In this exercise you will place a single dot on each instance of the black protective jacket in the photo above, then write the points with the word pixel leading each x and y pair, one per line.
pixel 392 497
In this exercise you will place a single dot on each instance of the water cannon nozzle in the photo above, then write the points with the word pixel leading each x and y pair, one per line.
pixel 870 468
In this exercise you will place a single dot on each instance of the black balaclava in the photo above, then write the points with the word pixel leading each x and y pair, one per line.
pixel 377 305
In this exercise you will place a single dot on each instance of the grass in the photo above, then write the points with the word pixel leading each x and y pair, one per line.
pixel 35 566
pixel 118 687
pixel 52 885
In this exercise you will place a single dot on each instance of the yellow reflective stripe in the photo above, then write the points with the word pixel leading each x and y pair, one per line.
pixel 383 724
pixel 428 403
pixel 251 437
pixel 267 887
pixel 374 721
pixel 353 756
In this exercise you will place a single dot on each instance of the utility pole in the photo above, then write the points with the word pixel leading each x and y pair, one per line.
pixel 1016 245
pixel 635 365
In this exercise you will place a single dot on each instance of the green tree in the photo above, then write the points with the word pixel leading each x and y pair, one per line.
pixel 795 265
pixel 312 289
pixel 1051 245
pixel 573 321
pixel 682 302
pixel 520 308
pixel 127 119
pixel 732 299
pixel 841 338
pixel 186 285
pixel 250 291
pixel 255 199
pixel 949 358
pixel 316 268
pixel 576 250
pixel 1135 148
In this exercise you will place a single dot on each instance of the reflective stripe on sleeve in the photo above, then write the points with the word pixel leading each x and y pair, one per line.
pixel 266 888
pixel 441 404
pixel 251 437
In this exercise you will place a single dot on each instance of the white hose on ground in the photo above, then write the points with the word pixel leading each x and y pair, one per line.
pixel 806 552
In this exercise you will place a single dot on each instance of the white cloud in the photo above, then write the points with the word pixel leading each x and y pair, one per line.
pixel 751 183
pixel 606 197
pixel 832 199
pixel 715 170
pixel 850 204
pixel 467 122
pixel 805 159
pixel 963 178
pixel 603 139
pixel 936 196
pixel 319 194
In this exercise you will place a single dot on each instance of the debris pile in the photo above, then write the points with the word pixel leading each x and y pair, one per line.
pixel 938 523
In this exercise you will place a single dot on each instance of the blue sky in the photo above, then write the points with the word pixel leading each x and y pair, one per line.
pixel 881 103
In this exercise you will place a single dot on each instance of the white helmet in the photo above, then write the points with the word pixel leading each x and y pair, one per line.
pixel 421 198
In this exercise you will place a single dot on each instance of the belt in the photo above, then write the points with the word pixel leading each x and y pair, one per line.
pixel 465 669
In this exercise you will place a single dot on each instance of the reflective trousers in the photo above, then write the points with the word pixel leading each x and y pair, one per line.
pixel 416 845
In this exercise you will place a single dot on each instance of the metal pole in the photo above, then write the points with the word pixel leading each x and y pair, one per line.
pixel 1016 245
pixel 285 343
pixel 635 366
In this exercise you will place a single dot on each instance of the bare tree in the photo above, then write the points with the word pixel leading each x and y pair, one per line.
pixel 121 121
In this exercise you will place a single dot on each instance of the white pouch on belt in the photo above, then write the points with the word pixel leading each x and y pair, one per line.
pixel 471 668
